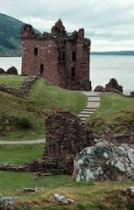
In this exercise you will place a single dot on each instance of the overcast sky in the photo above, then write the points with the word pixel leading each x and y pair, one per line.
pixel 108 23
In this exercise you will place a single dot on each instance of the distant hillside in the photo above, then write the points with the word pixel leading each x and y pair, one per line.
pixel 10 44
pixel 114 53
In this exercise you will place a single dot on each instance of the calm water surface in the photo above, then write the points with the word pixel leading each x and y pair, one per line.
pixel 102 69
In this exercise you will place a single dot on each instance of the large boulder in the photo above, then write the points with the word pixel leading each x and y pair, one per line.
pixel 105 161
pixel 12 70
pixel 113 86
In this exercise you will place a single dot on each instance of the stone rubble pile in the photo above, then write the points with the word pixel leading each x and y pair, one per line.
pixel 105 161
pixel 24 89
pixel 61 199
pixel 11 71
pixel 11 167
pixel 111 86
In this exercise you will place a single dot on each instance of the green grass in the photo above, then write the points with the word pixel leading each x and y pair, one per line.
pixel 13 81
pixel 115 111
pixel 88 196
pixel 43 99
pixel 19 154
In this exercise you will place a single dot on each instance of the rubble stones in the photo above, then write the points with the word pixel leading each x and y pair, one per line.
pixel 105 161
pixel 99 88
pixel 12 70
pixel 113 86
pixel 61 199
pixel 7 203
pixel 24 89
pixel 2 71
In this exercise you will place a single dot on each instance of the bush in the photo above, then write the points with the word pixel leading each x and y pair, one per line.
pixel 24 123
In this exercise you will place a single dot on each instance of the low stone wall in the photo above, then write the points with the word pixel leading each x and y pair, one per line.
pixel 66 135
pixel 23 91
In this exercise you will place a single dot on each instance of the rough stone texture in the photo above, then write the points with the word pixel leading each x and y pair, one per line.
pixel 23 91
pixel 113 86
pixel 11 167
pixel 66 136
pixel 60 57
pixel 7 203
pixel 2 71
pixel 61 199
pixel 12 70
pixel 122 138
pixel 99 88
pixel 132 94
pixel 105 161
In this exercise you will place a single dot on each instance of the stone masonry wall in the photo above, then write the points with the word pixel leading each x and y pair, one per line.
pixel 60 57
pixel 66 135
pixel 23 91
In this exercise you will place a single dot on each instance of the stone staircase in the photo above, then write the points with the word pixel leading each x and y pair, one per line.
pixel 92 104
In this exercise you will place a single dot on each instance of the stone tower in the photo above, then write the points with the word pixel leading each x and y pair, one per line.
pixel 61 58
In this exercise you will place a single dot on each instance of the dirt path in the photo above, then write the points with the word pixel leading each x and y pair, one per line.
pixel 36 141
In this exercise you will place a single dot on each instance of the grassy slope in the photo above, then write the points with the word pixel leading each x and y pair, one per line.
pixel 93 196
pixel 43 99
pixel 115 110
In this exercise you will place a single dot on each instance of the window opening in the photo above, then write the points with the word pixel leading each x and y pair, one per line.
pixel 73 73
pixel 41 69
pixel 74 56
pixel 36 51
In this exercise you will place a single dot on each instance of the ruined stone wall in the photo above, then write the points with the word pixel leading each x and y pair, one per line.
pixel 54 52
pixel 66 135
pixel 46 57
pixel 24 89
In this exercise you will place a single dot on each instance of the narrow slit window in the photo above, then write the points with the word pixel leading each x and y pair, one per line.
pixel 36 51
pixel 41 69
pixel 74 56
pixel 73 73
pixel 63 55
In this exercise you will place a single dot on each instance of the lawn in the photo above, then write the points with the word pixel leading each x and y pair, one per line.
pixel 115 111
pixel 25 118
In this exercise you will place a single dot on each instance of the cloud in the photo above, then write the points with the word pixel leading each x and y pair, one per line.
pixel 105 22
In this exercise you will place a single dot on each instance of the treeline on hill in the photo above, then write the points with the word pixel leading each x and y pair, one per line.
pixel 10 43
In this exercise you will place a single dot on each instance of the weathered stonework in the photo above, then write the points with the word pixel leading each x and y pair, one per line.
pixel 24 89
pixel 113 86
pixel 66 136
pixel 60 57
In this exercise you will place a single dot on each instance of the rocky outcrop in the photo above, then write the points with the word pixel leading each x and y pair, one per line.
pixel 12 70
pixel 24 89
pixel 105 161
pixel 113 86
pixel 99 88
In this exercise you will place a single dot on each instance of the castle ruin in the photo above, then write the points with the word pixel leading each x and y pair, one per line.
pixel 61 58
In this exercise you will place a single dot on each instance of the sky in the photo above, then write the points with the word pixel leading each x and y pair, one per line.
pixel 108 23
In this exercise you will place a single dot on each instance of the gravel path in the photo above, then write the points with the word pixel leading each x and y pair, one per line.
pixel 36 141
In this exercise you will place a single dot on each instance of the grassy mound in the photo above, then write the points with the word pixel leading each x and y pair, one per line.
pixel 25 118
pixel 115 114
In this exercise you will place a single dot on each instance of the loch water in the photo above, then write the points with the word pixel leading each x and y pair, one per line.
pixel 102 69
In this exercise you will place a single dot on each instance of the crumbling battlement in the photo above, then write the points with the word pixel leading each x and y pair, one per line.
pixel 60 57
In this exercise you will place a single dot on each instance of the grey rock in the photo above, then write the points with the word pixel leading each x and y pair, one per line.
pixel 7 203
pixel 60 198
pixel 105 161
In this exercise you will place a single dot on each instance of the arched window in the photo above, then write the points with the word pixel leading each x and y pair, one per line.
pixel 41 69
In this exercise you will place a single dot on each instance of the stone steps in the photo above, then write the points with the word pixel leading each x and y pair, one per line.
pixel 92 104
